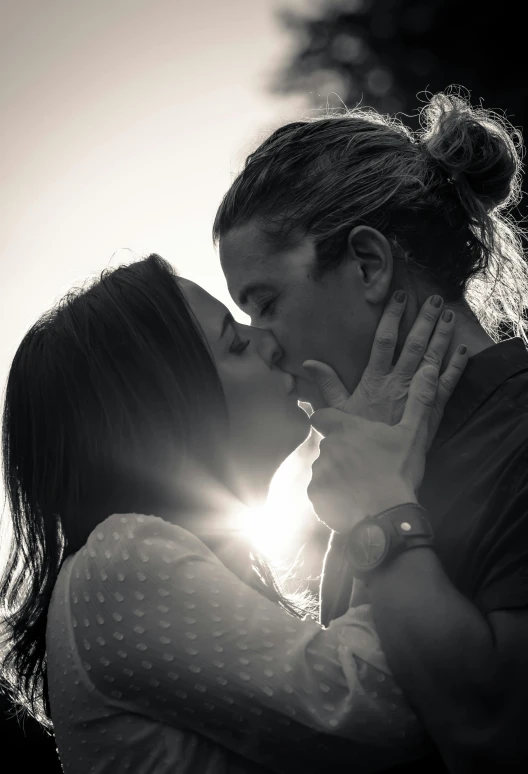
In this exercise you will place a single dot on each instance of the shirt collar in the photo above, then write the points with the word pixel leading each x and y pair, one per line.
pixel 484 373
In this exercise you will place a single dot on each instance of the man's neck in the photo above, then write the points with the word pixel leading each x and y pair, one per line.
pixel 468 331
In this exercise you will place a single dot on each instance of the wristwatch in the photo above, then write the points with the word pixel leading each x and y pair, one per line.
pixel 376 540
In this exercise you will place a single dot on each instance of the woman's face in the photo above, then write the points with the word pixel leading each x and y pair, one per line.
pixel 266 422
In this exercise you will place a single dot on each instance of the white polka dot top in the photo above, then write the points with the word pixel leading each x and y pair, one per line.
pixel 161 660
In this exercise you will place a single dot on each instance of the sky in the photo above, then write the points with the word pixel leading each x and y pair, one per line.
pixel 124 122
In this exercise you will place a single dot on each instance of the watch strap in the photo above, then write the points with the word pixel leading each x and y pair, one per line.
pixel 408 521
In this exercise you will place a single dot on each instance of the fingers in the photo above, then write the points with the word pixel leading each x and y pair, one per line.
pixel 440 340
pixel 421 401
pixel 446 386
pixel 449 380
pixel 418 339
pixel 332 388
pixel 386 337
pixel 328 420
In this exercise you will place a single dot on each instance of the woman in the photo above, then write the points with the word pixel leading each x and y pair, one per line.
pixel 163 647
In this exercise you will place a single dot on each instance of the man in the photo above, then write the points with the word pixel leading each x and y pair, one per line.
pixel 452 614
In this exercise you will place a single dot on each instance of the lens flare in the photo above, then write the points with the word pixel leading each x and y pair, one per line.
pixel 277 529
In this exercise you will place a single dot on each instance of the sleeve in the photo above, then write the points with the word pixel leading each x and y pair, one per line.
pixel 175 635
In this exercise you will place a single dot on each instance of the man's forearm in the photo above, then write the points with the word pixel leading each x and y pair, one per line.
pixel 441 650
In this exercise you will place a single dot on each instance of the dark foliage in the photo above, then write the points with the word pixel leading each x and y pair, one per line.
pixel 386 53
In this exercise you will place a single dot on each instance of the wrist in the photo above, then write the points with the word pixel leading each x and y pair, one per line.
pixel 379 538
pixel 383 501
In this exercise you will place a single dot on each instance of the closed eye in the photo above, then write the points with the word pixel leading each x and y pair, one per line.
pixel 239 345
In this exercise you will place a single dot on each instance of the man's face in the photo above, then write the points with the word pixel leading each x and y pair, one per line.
pixel 327 319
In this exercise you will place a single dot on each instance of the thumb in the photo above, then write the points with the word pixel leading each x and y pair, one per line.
pixel 332 388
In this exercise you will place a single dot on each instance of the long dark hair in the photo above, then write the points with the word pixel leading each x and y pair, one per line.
pixel 107 394
pixel 440 195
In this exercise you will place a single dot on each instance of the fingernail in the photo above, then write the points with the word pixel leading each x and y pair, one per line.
pixel 400 296
pixel 436 301
pixel 462 349
pixel 447 316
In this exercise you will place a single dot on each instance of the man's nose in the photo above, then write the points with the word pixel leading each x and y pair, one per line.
pixel 269 348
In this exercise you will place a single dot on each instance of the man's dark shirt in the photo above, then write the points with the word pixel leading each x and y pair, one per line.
pixel 475 491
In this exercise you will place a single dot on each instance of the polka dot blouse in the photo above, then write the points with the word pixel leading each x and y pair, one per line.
pixel 161 660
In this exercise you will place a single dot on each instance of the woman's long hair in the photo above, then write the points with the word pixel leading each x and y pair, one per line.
pixel 108 395
pixel 441 197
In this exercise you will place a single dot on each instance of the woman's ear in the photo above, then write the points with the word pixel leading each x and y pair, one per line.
pixel 371 252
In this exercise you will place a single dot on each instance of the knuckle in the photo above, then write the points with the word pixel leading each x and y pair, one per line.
pixel 325 383
pixel 370 385
pixel 451 375
pixel 414 345
pixel 432 358
pixel 385 340
pixel 394 310
pixel 429 316
pixel 427 397
pixel 443 331
pixel 447 382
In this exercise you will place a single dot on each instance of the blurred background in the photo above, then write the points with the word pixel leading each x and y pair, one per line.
pixel 124 122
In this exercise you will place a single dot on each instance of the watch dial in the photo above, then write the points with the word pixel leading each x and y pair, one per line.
pixel 370 545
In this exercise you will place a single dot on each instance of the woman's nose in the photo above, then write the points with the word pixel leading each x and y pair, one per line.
pixel 269 348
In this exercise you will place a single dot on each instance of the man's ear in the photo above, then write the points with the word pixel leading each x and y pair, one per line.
pixel 372 254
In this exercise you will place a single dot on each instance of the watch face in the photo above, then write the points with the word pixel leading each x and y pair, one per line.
pixel 369 544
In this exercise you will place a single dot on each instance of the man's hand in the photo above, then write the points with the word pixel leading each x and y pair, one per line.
pixel 382 393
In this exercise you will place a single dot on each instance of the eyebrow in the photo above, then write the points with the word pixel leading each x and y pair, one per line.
pixel 227 321
pixel 252 290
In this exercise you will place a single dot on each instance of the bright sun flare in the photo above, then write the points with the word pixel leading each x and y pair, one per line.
pixel 276 529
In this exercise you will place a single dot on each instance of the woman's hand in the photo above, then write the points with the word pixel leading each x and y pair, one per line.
pixel 382 393
pixel 365 467
pixel 373 454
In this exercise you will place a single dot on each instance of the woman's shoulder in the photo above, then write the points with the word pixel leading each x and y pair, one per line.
pixel 144 538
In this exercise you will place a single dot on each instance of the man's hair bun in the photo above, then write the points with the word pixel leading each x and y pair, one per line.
pixel 476 148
